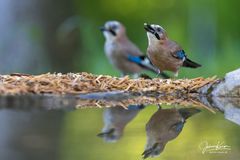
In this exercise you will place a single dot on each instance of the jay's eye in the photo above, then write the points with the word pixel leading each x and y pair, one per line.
pixel 114 27
pixel 159 29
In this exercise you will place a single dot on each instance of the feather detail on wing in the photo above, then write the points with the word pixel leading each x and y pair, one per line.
pixel 179 54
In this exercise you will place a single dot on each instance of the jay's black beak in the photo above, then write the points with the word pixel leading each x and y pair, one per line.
pixel 150 29
pixel 106 133
pixel 103 29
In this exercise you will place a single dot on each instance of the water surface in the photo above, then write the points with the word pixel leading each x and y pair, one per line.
pixel 49 127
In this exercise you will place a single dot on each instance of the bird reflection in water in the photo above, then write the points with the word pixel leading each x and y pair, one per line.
pixel 115 121
pixel 164 126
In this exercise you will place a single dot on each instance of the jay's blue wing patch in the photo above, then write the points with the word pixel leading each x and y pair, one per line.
pixel 180 54
pixel 178 127
pixel 135 59
pixel 135 107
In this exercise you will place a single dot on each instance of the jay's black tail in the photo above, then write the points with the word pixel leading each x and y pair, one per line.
pixel 188 112
pixel 190 64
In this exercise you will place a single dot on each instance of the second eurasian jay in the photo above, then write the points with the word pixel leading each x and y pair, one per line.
pixel 164 53
pixel 164 126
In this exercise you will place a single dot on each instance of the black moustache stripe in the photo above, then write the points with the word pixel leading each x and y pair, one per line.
pixel 157 36
pixel 112 32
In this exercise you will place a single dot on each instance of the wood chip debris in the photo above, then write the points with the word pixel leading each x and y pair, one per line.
pixel 79 83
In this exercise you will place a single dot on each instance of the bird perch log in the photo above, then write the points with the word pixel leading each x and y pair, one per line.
pixel 88 90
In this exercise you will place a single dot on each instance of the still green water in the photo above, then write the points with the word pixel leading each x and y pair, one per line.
pixel 79 140
pixel 40 128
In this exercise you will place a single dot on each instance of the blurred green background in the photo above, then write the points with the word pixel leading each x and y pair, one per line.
pixel 39 36
pixel 63 36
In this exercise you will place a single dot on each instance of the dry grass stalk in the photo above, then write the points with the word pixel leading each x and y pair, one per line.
pixel 78 83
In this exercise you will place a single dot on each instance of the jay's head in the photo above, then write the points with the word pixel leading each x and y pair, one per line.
pixel 153 150
pixel 155 32
pixel 111 135
pixel 113 30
